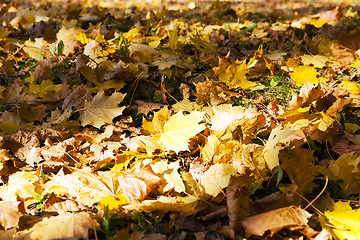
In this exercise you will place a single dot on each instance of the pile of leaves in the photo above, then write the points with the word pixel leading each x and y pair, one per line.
pixel 179 120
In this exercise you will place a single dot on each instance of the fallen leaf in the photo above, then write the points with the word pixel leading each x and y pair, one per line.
pixel 216 178
pixel 65 225
pixel 179 129
pixel 271 150
pixel 275 220
pixel 343 222
pixel 138 183
pixel 9 214
pixel 102 109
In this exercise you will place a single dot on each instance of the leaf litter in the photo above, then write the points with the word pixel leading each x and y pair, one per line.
pixel 186 120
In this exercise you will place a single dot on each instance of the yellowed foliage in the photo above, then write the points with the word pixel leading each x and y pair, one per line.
pixel 65 225
pixel 179 129
pixel 216 178
pixel 271 150
pixel 343 222
pixel 233 74
pixel 68 36
pixel 303 74
pixel 83 186
pixel 102 109
pixel 166 204
pixel 19 186
pixel 9 214
pixel 42 89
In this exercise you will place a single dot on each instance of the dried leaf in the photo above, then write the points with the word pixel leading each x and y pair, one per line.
pixel 102 109
pixel 275 220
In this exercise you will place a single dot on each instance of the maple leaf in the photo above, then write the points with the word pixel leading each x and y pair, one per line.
pixel 343 222
pixel 303 74
pixel 173 179
pixel 179 129
pixel 275 220
pixel 85 187
pixel 271 151
pixel 156 126
pixel 147 143
pixel 216 178
pixel 142 52
pixel 138 183
pixel 9 214
pixel 37 48
pixel 19 186
pixel 68 36
pixel 42 89
pixel 345 168
pixel 94 51
pixel 65 225
pixel 102 109
pixel 165 204
pixel 233 74
pixel 302 176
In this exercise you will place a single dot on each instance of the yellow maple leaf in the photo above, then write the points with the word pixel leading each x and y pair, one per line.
pixel 102 109
pixel 233 74
pixel 147 143
pixel 131 34
pixel 303 74
pixel 83 38
pixel 68 36
pixel 156 126
pixel 271 151
pixel 113 202
pixel 343 222
pixel 38 48
pixel 173 179
pixel 179 129
pixel 65 225
pixel 42 89
pixel 352 87
pixel 188 205
pixel 217 177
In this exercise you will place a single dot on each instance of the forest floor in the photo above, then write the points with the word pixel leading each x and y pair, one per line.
pixel 180 119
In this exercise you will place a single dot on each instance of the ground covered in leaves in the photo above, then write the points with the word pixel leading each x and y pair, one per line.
pixel 180 120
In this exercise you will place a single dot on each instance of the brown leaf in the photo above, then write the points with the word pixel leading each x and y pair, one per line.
pixel 139 182
pixel 77 98
pixel 31 113
pixel 275 220
pixel 301 176
pixel 308 93
pixel 9 214
pixel 237 201
pixel 342 54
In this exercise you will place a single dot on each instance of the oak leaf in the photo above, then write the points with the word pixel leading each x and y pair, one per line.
pixel 102 109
